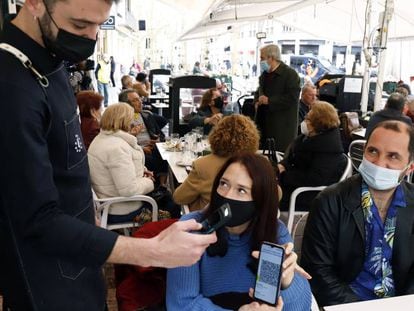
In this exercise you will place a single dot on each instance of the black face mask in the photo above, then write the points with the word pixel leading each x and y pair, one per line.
pixel 68 46
pixel 241 211
pixel 218 102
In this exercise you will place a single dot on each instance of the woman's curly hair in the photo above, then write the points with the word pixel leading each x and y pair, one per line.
pixel 234 134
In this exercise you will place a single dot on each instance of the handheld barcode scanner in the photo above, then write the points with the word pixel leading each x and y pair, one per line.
pixel 218 219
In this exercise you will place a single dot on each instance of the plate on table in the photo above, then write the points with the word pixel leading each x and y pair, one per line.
pixel 171 147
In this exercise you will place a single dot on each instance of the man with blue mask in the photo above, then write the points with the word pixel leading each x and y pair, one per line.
pixel 51 251
pixel 277 99
pixel 358 241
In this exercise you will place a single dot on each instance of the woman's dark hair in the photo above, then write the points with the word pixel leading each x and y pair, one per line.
pixel 206 99
pixel 264 194
pixel 141 77
pixel 88 100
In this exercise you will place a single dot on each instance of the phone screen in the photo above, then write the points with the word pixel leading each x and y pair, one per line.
pixel 269 273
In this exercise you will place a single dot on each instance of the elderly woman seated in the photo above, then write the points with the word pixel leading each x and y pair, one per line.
pixel 232 135
pixel 210 111
pixel 90 109
pixel 315 158
pixel 116 163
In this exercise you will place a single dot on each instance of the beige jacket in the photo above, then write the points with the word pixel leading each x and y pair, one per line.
pixel 195 190
pixel 116 165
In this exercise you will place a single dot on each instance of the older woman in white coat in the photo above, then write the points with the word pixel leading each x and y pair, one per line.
pixel 116 162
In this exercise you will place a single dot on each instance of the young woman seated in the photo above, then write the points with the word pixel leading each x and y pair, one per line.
pixel 221 280
pixel 232 135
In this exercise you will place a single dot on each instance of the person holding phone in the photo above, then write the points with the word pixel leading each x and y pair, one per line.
pixel 224 277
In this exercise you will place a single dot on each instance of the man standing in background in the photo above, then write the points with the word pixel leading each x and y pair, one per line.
pixel 103 77
pixel 277 99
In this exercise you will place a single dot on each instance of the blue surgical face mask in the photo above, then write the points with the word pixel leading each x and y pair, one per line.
pixel 380 178
pixel 264 66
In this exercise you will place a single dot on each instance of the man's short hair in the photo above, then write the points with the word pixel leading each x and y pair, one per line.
pixel 401 90
pixel 51 3
pixel 123 96
pixel 272 51
pixel 410 102
pixel 124 81
pixel 395 101
pixel 308 86
pixel 399 127
pixel 405 86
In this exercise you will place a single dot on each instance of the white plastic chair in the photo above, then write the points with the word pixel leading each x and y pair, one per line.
pixel 103 209
pixel 314 305
pixel 292 202
pixel 356 151
pixel 297 235
pixel 279 156
pixel 184 209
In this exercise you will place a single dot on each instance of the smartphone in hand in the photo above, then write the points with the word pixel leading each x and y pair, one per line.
pixel 269 273
pixel 218 219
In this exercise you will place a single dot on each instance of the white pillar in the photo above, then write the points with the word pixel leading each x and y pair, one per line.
pixel 387 15
pixel 366 55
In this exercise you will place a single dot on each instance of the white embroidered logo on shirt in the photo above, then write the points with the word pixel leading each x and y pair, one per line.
pixel 78 143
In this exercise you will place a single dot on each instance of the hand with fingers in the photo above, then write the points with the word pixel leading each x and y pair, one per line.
pixel 289 266
pixel 262 307
pixel 177 246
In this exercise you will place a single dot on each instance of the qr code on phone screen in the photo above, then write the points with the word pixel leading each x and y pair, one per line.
pixel 269 272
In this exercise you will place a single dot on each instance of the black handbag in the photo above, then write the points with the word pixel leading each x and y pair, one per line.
pixel 160 195
pixel 270 152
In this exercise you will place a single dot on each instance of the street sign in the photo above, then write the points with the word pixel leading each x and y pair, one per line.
pixel 109 24
pixel 261 35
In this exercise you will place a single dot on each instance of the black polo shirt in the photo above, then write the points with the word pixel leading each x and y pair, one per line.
pixel 50 250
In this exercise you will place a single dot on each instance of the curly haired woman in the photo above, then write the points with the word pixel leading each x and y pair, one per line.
pixel 232 135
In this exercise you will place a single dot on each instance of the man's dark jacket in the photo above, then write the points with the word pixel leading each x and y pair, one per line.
pixel 279 119
pixel 151 125
pixel 333 249
pixel 51 252
pixel 303 111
